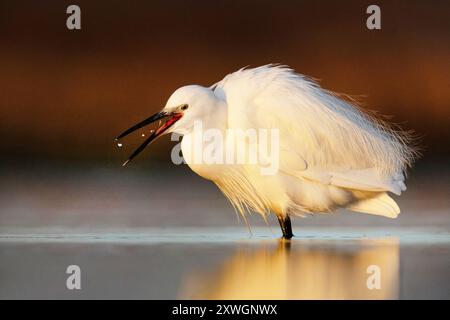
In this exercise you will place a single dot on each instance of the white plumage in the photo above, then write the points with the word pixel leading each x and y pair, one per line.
pixel 332 154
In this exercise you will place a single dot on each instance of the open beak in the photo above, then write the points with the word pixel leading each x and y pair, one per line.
pixel 171 119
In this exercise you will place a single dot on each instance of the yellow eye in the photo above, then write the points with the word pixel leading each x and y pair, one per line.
pixel 184 107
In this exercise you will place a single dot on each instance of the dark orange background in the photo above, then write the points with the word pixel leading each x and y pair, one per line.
pixel 66 94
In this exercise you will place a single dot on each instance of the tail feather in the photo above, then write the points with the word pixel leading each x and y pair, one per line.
pixel 381 205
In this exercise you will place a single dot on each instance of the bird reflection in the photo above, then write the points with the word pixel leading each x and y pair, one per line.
pixel 301 269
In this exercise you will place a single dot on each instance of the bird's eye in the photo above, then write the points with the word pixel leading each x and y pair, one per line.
pixel 184 107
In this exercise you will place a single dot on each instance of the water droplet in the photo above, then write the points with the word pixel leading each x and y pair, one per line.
pixel 119 145
pixel 143 134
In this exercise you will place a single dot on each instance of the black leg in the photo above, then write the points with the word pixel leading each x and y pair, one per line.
pixel 286 228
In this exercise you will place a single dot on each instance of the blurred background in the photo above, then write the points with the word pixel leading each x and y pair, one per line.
pixel 66 94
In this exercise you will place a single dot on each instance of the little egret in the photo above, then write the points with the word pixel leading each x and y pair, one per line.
pixel 331 154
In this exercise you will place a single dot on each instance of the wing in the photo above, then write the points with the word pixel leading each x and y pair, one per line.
pixel 323 137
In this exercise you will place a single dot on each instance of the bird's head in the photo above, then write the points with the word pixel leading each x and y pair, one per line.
pixel 192 103
pixel 186 105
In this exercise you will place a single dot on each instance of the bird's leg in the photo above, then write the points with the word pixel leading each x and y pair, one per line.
pixel 286 228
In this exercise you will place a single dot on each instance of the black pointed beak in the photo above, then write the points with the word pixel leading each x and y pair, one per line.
pixel 157 116
pixel 173 117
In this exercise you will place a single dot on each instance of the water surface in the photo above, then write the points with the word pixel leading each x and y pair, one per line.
pixel 226 263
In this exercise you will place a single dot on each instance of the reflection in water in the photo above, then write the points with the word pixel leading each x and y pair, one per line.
pixel 300 269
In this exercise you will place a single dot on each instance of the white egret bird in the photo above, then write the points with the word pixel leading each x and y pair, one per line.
pixel 331 153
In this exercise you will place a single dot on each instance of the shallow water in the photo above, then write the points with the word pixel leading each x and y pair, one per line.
pixel 227 263
pixel 170 234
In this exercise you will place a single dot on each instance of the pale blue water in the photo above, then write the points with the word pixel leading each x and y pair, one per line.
pixel 226 235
